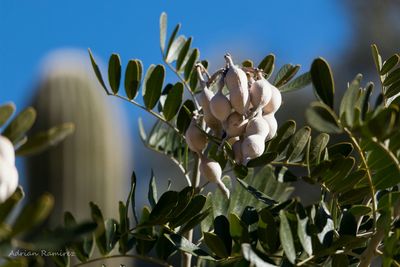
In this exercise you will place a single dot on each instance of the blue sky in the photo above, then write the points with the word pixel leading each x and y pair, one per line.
pixel 296 31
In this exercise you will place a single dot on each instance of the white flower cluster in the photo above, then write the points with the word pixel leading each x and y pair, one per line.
pixel 244 116
pixel 8 171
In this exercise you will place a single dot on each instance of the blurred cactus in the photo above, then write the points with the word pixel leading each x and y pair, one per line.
pixel 93 164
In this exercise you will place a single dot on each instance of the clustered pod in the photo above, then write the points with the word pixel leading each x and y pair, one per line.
pixel 245 111
pixel 8 171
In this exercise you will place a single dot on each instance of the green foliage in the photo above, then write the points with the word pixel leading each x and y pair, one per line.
pixel 260 224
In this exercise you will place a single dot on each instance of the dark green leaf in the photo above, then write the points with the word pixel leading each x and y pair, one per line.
pixel 359 210
pixel 322 118
pixel 163 30
pixel 349 101
pixel 248 63
pixel 237 228
pixel 253 258
pixel 131 197
pixel 322 79
pixel 221 229
pixel 183 119
pixel 287 72
pixel 97 71
pixel 394 76
pixel 6 111
pixel 298 143
pixel 175 48
pixel 267 64
pixel 257 194
pixel 111 232
pixel 133 77
pixel 33 214
pixel 153 85
pixel 393 89
pixel 184 198
pixel 215 244
pixel 43 140
pixel 285 235
pixel 173 101
pixel 343 149
pixel 172 39
pixel 183 53
pixel 195 221
pixel 124 228
pixel 8 206
pixel 20 125
pixel 348 224
pixel 283 135
pixel 283 175
pixel 195 206
pixel 152 194
pixel 185 245
pixel 189 66
pixel 389 64
pixel 164 207
pixel 114 72
pixel 318 146
pixel 100 236
pixel 340 260
pixel 268 233
pixel 377 57
pixel 296 84
pixel 262 160
pixel 302 229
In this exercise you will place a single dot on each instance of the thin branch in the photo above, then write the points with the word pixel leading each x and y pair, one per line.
pixel 137 257
pixel 369 175
pixel 158 116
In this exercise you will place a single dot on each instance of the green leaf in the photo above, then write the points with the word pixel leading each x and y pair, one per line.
pixel 322 118
pixel 8 206
pixel 175 48
pixel 6 111
pixel 221 229
pixel 163 30
pixel 152 194
pixel 173 101
pixel 349 101
pixel 262 160
pixel 318 146
pixel 253 258
pixel 172 39
pixel 384 165
pixel 215 244
pixel 268 233
pixel 389 64
pixel 302 226
pixel 20 125
pixel 267 65
pixel 183 119
pixel 100 237
pixel 124 228
pixel 322 79
pixel 348 224
pixel 377 57
pixel 237 228
pixel 257 194
pixel 287 72
pixel 97 71
pixel 133 77
pixel 393 89
pixel 153 85
pixel 248 63
pixel 189 66
pixel 33 214
pixel 131 197
pixel 282 138
pixel 183 53
pixel 343 148
pixel 359 210
pixel 111 232
pixel 194 221
pixel 186 246
pixel 163 208
pixel 298 143
pixel 114 72
pixel 296 84
pixel 285 235
pixel 392 77
pixel 43 140
pixel 195 206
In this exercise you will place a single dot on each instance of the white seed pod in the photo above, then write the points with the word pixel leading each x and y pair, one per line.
pixel 236 81
pixel 8 179
pixel 273 125
pixel 257 125
pixel 220 105
pixel 195 138
pixel 237 151
pixel 252 146
pixel 260 92
pixel 204 99
pixel 7 150
pixel 212 171
pixel 235 125
pixel 275 102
